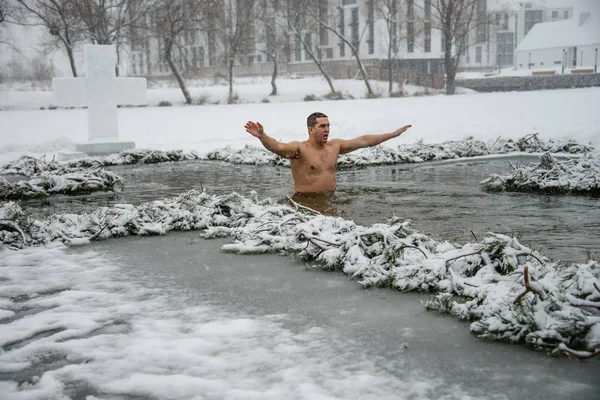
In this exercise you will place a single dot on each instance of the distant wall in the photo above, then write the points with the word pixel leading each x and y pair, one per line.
pixel 526 83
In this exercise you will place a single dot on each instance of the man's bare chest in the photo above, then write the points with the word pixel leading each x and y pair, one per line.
pixel 315 161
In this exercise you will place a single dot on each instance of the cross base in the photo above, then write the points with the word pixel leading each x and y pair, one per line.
pixel 93 149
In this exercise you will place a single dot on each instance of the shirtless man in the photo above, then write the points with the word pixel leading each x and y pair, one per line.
pixel 314 160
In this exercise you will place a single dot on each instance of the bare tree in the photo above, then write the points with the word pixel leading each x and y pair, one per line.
pixel 237 30
pixel 174 22
pixel 393 13
pixel 456 19
pixel 353 45
pixel 110 21
pixel 300 30
pixel 4 13
pixel 59 17
pixel 275 36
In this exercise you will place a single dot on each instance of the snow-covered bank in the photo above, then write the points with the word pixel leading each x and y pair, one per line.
pixel 414 153
pixel 557 115
pixel 580 176
pixel 510 291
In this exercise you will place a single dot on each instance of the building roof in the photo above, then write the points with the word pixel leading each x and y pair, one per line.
pixel 565 33
pixel 502 6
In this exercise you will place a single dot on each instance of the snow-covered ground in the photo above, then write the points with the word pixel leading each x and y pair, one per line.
pixel 70 325
pixel 559 114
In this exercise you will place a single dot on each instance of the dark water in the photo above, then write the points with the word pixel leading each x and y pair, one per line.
pixel 442 199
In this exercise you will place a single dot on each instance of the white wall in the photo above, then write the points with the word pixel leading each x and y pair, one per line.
pixel 546 58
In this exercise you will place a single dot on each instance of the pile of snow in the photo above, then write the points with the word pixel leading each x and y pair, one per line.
pixel 509 291
pixel 413 153
pixel 574 176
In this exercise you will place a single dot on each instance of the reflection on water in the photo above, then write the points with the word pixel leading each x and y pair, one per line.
pixel 323 202
pixel 442 199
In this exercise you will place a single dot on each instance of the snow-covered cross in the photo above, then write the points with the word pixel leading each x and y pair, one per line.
pixel 101 91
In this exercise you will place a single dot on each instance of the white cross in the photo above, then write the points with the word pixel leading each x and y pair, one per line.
pixel 101 91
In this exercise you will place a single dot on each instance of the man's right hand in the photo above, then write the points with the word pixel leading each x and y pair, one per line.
pixel 255 129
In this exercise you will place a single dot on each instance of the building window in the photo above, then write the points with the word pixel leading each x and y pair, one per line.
pixel 307 45
pixel 410 27
pixel 481 21
pixel 323 32
pixel 270 36
pixel 341 29
pixel 478 54
pixel 505 49
pixel 348 2
pixel 554 14
pixel 354 28
pixel 427 37
pixel 532 17
pixel 212 48
pixel 566 15
pixel 410 37
pixel 297 48
pixel 371 25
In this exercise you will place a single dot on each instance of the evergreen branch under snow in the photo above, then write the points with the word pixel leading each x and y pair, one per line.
pixel 569 176
pixel 507 290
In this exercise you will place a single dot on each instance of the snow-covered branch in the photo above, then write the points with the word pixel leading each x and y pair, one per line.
pixel 573 176
pixel 412 153
pixel 555 306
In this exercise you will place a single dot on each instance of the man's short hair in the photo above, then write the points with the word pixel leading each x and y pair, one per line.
pixel 312 118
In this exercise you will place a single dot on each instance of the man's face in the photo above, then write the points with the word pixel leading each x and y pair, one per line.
pixel 320 131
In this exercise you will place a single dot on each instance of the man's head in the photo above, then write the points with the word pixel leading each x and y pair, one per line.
pixel 318 127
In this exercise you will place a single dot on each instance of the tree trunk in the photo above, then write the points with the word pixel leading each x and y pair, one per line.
pixel 450 65
pixel 319 65
pixel 71 60
pixel 273 78
pixel 390 72
pixel 363 71
pixel 230 99
pixel 175 71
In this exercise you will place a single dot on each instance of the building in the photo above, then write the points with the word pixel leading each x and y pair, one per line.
pixel 405 38
pixel 570 43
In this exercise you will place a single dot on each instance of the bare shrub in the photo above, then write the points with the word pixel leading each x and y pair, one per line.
pixel 202 99
pixel 334 96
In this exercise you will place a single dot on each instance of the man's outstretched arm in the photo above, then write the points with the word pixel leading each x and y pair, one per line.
pixel 287 150
pixel 346 146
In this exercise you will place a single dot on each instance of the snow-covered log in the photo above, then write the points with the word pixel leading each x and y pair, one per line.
pixel 506 289
pixel 551 175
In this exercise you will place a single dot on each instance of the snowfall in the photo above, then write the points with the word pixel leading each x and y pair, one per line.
pixel 118 338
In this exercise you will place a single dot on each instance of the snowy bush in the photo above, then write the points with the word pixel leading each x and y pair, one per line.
pixel 573 176
pixel 412 153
